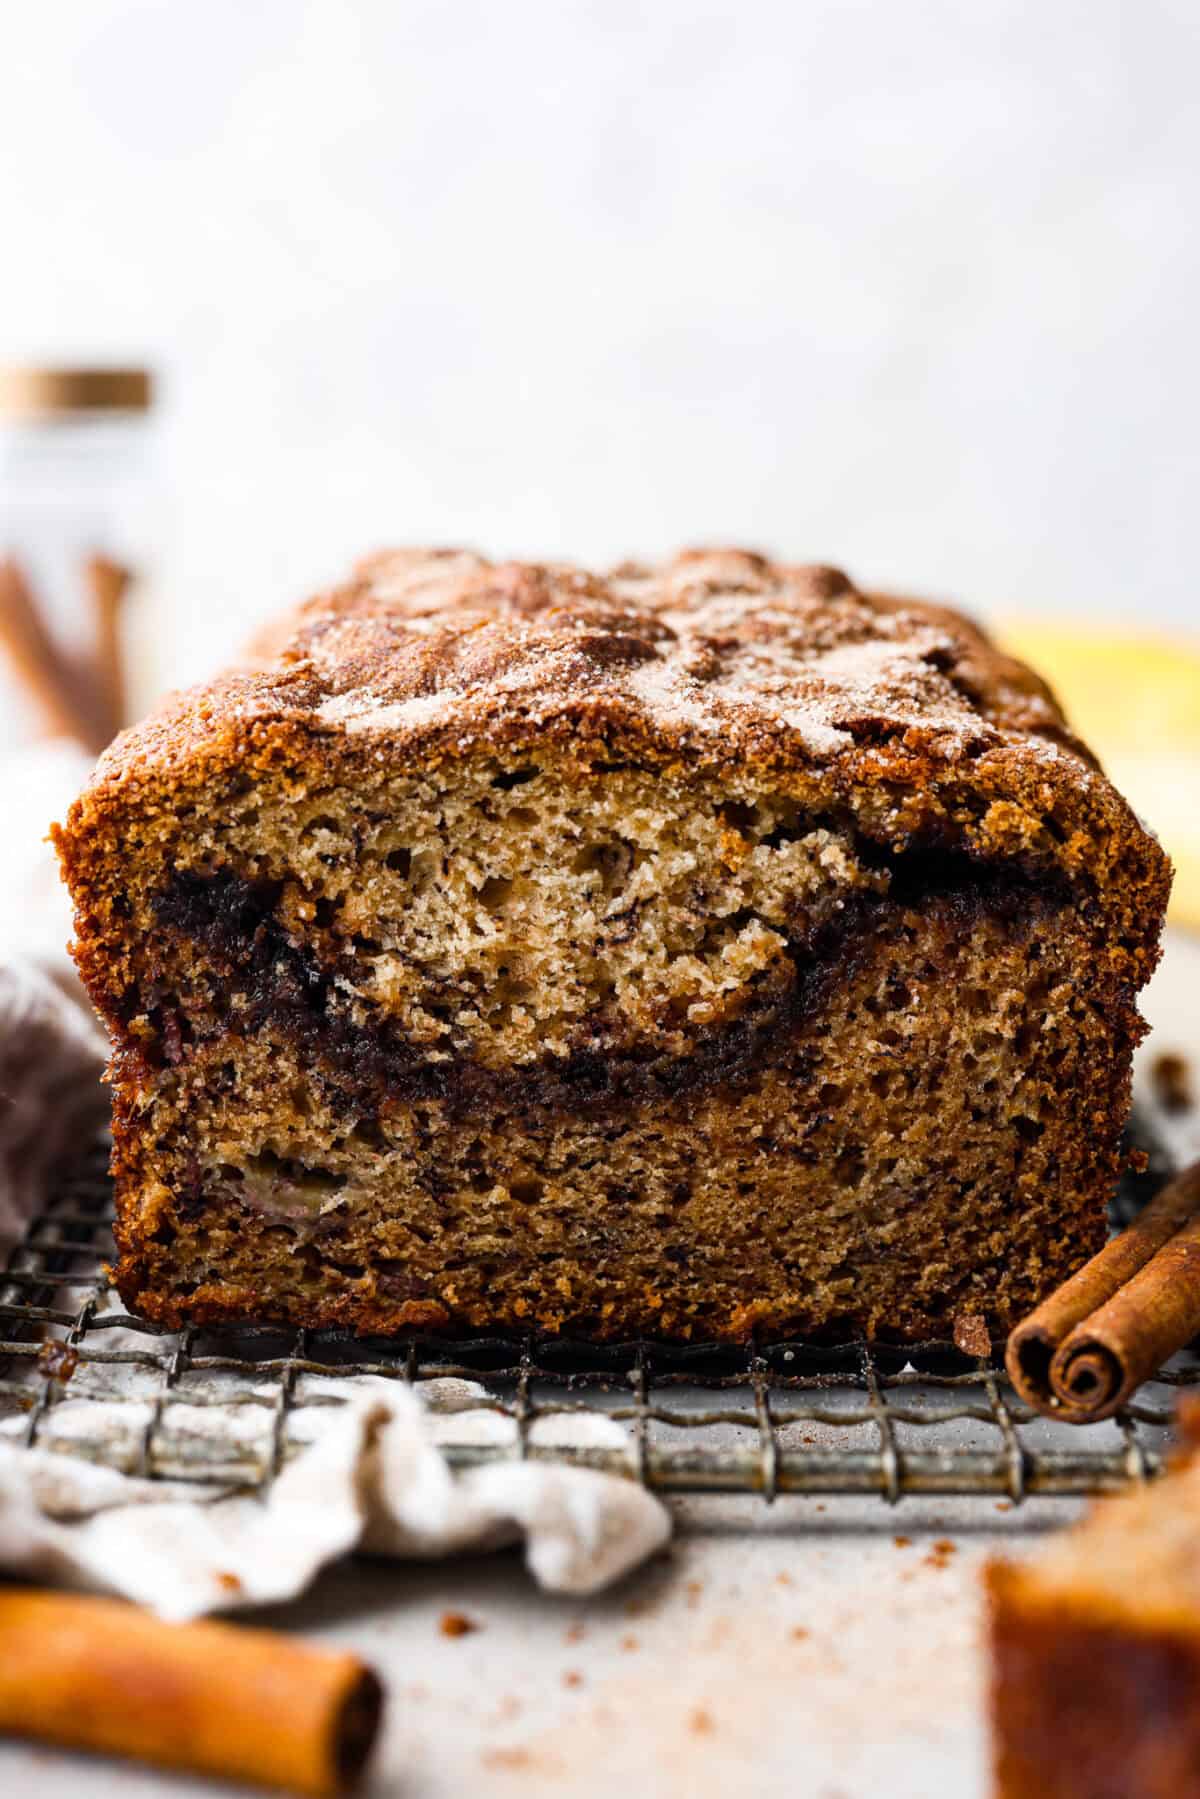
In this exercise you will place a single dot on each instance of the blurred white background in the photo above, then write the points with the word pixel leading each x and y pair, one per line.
pixel 911 287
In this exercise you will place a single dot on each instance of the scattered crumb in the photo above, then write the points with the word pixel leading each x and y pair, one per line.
pixel 701 1722
pixel 1004 1505
pixel 636 1607
pixel 506 1758
pixel 57 1360
pixel 572 1678
pixel 1187 1421
pixel 1137 1161
pixel 1171 1079
pixel 630 1642
pixel 800 1633
pixel 971 1334
pixel 520 1759
pixel 940 1553
pixel 821 1507
pixel 783 1579
pixel 228 1583
pixel 457 1624
pixel 945 1546
pixel 902 1542
pixel 575 1633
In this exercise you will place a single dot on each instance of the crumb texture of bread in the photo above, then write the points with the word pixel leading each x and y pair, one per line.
pixel 1095 1653
pixel 688 951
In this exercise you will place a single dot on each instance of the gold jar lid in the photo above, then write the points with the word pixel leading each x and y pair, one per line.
pixel 30 392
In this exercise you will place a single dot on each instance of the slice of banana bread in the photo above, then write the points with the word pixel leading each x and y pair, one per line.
pixel 691 950
pixel 1095 1690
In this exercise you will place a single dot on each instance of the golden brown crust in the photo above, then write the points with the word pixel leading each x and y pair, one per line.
pixel 717 652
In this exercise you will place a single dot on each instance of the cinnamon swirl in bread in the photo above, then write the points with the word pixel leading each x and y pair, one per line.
pixel 683 951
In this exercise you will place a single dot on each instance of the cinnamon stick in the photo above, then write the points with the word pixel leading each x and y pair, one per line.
pixel 246 1705
pixel 1082 1353
pixel 35 661
pixel 108 582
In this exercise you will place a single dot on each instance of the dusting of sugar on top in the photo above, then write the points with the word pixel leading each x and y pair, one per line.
pixel 715 645
pixel 369 712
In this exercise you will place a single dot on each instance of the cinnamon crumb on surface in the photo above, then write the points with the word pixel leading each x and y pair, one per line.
pixel 507 1758
pixel 519 1757
pixel 1171 1079
pixel 457 1624
pixel 971 1334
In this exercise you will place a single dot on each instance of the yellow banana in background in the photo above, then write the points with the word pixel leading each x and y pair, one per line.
pixel 1136 701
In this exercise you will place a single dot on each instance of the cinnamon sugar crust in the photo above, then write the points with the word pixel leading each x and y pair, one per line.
pixel 685 950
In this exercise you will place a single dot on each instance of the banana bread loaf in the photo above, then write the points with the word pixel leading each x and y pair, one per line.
pixel 686 951
pixel 1095 1648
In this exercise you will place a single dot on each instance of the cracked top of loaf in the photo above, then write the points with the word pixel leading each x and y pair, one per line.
pixel 716 661
pixel 712 646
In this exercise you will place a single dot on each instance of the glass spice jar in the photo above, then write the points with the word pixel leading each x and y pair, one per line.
pixel 75 506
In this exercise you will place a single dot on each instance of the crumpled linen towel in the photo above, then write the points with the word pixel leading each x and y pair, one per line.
pixel 51 1100
pixel 372 1479
pixel 51 1047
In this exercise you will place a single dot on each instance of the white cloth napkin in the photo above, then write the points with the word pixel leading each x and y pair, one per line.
pixel 51 1048
pixel 370 1478
pixel 51 1100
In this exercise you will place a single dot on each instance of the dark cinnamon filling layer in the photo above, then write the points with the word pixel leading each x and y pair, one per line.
pixel 288 990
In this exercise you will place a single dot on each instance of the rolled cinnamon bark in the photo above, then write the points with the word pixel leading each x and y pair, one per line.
pixel 1082 1353
pixel 108 583
pixel 248 1705
pixel 35 660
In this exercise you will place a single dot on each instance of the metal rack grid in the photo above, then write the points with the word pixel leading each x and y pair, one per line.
pixel 78 1373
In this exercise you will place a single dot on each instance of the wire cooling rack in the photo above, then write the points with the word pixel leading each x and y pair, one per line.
pixel 78 1373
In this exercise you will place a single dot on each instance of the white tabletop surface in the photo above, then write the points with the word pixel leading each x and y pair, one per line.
pixel 819 1649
